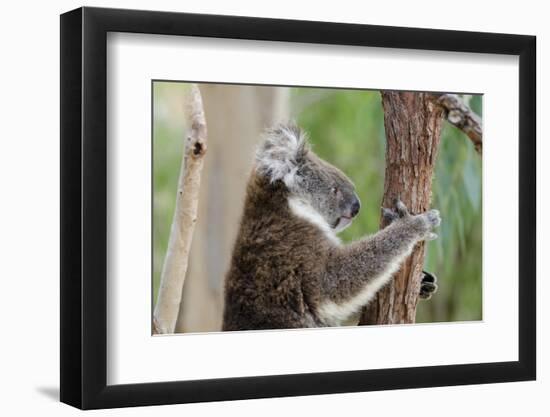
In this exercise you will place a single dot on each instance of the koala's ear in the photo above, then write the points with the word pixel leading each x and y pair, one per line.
pixel 281 153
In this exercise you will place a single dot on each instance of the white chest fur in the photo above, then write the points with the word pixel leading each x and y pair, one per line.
pixel 302 209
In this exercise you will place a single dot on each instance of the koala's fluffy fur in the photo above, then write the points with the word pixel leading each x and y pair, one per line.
pixel 288 268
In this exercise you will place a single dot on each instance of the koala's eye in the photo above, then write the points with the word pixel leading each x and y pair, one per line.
pixel 334 190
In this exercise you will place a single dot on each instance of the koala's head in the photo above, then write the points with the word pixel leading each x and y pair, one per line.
pixel 285 156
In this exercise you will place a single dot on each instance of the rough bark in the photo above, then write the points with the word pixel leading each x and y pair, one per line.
pixel 185 216
pixel 462 117
pixel 413 130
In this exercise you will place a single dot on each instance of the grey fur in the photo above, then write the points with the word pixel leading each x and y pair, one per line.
pixel 288 270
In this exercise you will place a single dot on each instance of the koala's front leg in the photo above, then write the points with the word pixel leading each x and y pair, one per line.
pixel 357 271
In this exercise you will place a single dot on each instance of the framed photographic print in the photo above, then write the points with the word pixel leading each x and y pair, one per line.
pixel 257 207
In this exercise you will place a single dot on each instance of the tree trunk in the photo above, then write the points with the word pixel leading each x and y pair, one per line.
pixel 413 130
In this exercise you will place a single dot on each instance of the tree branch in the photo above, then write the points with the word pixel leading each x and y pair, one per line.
pixel 461 116
pixel 185 217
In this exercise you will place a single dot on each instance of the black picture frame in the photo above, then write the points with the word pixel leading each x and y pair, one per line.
pixel 84 207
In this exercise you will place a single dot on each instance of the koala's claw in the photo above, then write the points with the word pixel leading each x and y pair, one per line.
pixel 401 208
pixel 389 215
pixel 428 285
pixel 400 211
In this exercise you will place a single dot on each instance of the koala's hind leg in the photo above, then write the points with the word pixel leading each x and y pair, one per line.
pixel 428 285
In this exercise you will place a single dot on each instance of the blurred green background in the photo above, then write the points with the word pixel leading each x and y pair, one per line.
pixel 346 128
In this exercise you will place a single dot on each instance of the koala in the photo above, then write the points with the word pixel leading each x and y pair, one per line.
pixel 288 267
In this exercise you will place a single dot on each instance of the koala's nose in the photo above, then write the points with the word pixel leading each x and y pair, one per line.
pixel 355 206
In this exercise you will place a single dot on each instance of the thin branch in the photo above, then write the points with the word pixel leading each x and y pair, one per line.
pixel 461 116
pixel 185 217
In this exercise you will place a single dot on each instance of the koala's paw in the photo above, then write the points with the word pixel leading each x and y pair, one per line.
pixel 423 223
pixel 398 212
pixel 433 218
pixel 389 215
pixel 430 220
pixel 401 208
pixel 428 285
